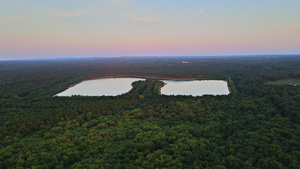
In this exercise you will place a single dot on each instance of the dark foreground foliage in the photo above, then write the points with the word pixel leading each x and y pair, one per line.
pixel 257 126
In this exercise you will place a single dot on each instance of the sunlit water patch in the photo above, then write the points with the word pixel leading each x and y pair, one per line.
pixel 195 87
pixel 118 86
pixel 100 87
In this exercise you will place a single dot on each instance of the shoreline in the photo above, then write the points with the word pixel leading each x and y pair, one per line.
pixel 119 76
pixel 135 76
pixel 159 88
pixel 229 88
pixel 125 76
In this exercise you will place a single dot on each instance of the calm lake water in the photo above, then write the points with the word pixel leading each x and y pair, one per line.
pixel 195 87
pixel 100 87
pixel 118 86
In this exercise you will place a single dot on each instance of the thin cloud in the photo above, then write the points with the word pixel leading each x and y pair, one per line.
pixel 14 18
pixel 120 2
pixel 101 9
pixel 75 13
pixel 142 19
pixel 12 3
pixel 201 11
pixel 53 14
pixel 16 4
pixel 295 28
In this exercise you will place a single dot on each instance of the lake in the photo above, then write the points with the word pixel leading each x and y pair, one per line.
pixel 195 87
pixel 118 86
pixel 100 87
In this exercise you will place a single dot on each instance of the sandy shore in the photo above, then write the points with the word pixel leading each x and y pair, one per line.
pixel 135 76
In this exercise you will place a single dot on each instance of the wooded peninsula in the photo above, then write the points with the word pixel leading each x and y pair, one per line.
pixel 256 126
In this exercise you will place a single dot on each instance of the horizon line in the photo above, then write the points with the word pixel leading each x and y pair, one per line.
pixel 118 57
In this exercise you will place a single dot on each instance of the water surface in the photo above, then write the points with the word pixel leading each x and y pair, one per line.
pixel 100 87
pixel 118 86
pixel 195 87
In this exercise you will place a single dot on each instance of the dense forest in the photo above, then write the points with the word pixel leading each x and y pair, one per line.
pixel 256 126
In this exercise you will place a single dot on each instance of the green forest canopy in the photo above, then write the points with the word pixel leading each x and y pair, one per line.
pixel 257 126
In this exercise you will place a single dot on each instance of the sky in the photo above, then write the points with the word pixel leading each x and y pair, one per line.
pixel 35 29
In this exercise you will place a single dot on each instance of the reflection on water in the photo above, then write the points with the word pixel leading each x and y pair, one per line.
pixel 100 87
pixel 195 88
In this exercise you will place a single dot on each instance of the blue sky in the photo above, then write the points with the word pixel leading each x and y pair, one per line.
pixel 31 29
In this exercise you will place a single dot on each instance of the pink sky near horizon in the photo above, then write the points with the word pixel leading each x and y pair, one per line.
pixel 32 30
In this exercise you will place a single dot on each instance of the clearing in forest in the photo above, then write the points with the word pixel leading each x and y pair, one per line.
pixel 294 82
